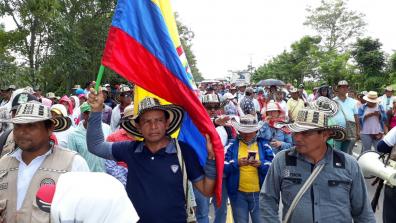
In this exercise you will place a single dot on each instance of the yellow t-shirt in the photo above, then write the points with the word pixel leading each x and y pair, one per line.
pixel 248 175
pixel 294 106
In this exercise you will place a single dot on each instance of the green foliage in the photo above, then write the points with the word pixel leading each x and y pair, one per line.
pixel 293 66
pixel 59 43
pixel 333 67
pixel 335 23
pixel 392 62
pixel 78 40
pixel 186 36
pixel 32 19
pixel 370 60
pixel 392 67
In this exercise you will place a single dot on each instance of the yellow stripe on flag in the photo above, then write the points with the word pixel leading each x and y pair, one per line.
pixel 170 21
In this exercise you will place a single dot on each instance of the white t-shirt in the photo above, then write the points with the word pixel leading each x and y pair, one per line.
pixel 91 198
pixel 115 118
pixel 62 137
pixel 223 134
pixel 26 172
pixel 390 137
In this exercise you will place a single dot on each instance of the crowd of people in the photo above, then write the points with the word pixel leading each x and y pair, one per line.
pixel 279 142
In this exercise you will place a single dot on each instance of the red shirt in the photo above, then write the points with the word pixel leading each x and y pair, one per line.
pixel 119 136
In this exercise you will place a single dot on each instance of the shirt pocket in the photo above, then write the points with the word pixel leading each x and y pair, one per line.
pixel 290 187
pixel 38 215
pixel 339 190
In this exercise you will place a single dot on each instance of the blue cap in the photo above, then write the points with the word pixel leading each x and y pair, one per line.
pixel 79 91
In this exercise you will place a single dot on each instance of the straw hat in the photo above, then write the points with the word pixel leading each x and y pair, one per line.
pixel 35 112
pixel 372 96
pixel 247 124
pixel 293 90
pixel 77 86
pixel 228 96
pixel 123 89
pixel 176 115
pixel 211 100
pixel 128 112
pixel 312 119
pixel 59 109
pixel 343 83
pixel 50 95
pixel 272 106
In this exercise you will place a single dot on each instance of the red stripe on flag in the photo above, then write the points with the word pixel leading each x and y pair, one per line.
pixel 130 59
pixel 179 50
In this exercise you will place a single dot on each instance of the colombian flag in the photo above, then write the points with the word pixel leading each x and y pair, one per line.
pixel 143 46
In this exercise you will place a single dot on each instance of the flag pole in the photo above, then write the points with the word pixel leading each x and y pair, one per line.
pixel 99 77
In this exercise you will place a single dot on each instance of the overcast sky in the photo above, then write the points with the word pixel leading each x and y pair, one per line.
pixel 229 33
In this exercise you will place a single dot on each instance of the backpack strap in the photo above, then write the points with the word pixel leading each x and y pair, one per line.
pixel 290 160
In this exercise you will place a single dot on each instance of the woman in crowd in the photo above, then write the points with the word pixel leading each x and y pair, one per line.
pixel 391 115
pixel 273 130
pixel 372 118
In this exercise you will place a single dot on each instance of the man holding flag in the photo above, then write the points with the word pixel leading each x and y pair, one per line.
pixel 143 46
pixel 158 166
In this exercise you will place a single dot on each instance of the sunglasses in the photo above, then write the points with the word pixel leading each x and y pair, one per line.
pixel 126 95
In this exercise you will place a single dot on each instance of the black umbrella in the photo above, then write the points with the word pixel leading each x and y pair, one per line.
pixel 271 82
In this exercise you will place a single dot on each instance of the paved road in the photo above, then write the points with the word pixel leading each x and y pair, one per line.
pixel 371 189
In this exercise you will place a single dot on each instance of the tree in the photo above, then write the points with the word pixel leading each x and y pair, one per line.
pixel 9 71
pixel 370 60
pixel 392 67
pixel 333 67
pixel 77 41
pixel 186 36
pixel 32 21
pixel 335 24
pixel 301 62
pixel 305 53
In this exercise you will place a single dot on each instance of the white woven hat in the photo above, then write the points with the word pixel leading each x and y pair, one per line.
pixel 247 124
pixel 36 112
pixel 312 119
pixel 328 106
pixel 59 109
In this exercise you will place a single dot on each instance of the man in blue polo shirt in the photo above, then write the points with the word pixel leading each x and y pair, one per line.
pixel 155 175
pixel 349 109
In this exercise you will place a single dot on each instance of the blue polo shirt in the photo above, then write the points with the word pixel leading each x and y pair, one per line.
pixel 155 182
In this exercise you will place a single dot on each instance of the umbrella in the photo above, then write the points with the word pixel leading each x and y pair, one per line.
pixel 271 82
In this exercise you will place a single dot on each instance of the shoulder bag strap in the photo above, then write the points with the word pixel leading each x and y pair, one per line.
pixel 302 191
pixel 189 209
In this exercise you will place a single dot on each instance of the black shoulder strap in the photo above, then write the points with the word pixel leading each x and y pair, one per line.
pixel 338 159
pixel 229 132
pixel 290 160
